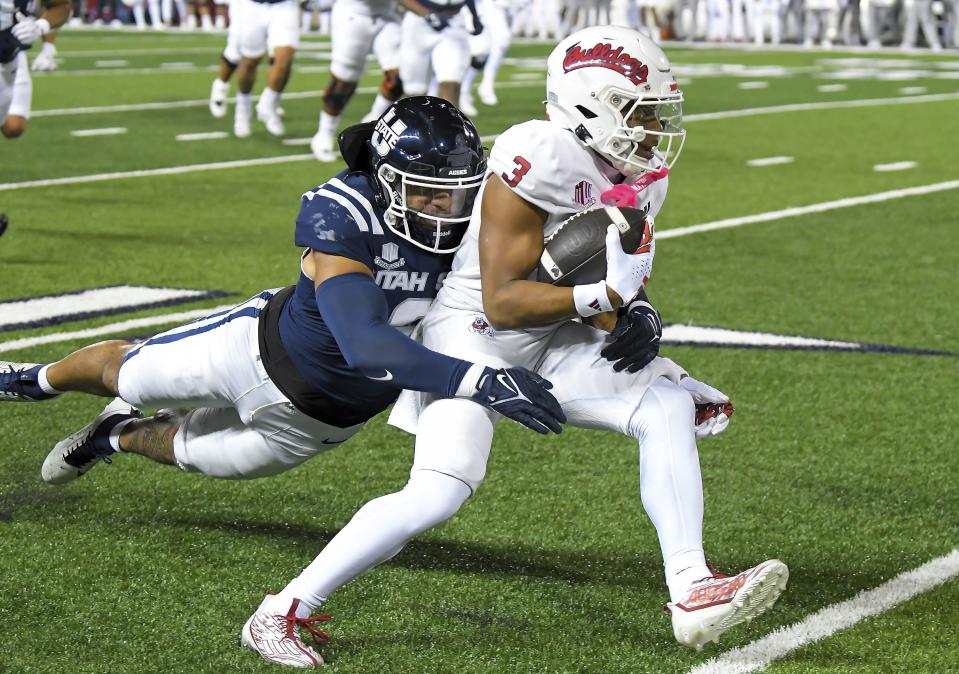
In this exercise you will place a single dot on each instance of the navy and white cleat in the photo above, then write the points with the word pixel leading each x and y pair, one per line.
pixel 718 603
pixel 18 383
pixel 76 455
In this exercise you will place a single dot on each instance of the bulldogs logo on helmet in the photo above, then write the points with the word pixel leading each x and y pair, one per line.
pixel 600 81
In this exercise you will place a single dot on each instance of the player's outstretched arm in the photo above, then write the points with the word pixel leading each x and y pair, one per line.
pixel 356 312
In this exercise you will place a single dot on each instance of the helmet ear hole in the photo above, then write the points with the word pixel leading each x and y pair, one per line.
pixel 586 112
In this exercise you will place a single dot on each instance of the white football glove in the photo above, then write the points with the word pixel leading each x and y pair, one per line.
pixel 28 30
pixel 626 272
pixel 713 408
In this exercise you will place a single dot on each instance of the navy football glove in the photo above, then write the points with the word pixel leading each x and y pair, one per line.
pixel 437 21
pixel 521 395
pixel 635 341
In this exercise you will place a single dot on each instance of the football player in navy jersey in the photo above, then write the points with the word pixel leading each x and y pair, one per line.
pixel 292 372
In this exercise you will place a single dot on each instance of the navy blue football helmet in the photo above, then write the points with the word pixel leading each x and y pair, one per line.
pixel 427 161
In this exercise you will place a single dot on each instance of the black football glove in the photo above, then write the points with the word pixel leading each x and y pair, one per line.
pixel 521 395
pixel 635 341
pixel 437 21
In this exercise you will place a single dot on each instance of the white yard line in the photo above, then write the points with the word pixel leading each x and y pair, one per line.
pixel 111 329
pixel 824 105
pixel 209 135
pixel 770 161
pixel 894 166
pixel 753 85
pixel 189 168
pixel 759 654
pixel 109 131
pixel 822 207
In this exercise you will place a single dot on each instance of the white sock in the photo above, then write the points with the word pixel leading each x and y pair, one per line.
pixel 328 124
pixel 44 383
pixel 139 15
pixel 48 48
pixel 493 63
pixel 468 79
pixel 375 534
pixel 670 482
pixel 244 103
pixel 221 88
pixel 380 104
pixel 268 99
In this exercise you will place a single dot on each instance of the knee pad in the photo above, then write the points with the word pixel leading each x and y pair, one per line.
pixel 479 62
pixel 454 438
pixel 337 94
pixel 392 86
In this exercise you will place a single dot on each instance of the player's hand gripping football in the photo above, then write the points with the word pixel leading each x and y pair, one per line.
pixel 713 408
pixel 634 342
pixel 626 272
pixel 521 395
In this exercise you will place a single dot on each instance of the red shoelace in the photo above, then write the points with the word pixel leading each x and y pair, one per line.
pixel 318 636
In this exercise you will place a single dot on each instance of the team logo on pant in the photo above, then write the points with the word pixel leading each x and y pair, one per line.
pixel 481 327
pixel 603 55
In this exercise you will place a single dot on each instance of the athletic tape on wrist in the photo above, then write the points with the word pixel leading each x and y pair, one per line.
pixel 591 299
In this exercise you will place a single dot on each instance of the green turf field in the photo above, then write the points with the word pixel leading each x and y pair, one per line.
pixel 842 464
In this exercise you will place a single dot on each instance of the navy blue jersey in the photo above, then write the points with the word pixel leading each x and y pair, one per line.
pixel 341 218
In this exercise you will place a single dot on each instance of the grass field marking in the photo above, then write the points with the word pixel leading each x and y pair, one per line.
pixel 759 654
pixel 831 88
pixel 909 91
pixel 170 170
pixel 113 63
pixel 895 166
pixel 207 135
pixel 112 328
pixel 108 131
pixel 770 161
pixel 823 105
pixel 821 207
pixel 753 85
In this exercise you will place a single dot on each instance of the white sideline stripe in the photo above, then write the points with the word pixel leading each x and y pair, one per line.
pixel 770 161
pixel 171 170
pixel 96 299
pixel 753 85
pixel 825 105
pixel 111 329
pixel 209 135
pixel 894 166
pixel 759 654
pixel 811 208
pixel 108 131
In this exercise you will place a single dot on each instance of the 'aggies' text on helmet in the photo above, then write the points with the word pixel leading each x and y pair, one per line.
pixel 613 88
pixel 427 160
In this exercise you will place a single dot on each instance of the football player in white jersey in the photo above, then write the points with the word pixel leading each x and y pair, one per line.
pixel 613 133
pixel 435 43
pixel 358 28
pixel 263 25
pixel 18 31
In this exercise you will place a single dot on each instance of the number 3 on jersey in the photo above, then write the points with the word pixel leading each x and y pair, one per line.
pixel 522 168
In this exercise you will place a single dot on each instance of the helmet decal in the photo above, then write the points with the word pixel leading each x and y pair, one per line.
pixel 387 133
pixel 603 55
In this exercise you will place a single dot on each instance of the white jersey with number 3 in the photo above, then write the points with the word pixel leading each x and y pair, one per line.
pixel 549 167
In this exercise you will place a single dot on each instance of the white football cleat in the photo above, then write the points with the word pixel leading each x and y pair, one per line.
pixel 241 126
pixel 272 120
pixel 276 637
pixel 45 61
pixel 74 456
pixel 467 105
pixel 322 147
pixel 487 95
pixel 717 603
pixel 219 91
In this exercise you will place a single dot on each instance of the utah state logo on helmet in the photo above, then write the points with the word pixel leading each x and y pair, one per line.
pixel 427 162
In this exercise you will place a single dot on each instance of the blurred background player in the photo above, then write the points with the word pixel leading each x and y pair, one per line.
pixel 435 43
pixel 821 16
pixel 139 13
pixel 919 13
pixel 359 27
pixel 479 43
pixel 229 60
pixel 263 25
pixel 18 32
pixel 46 60
pixel 496 15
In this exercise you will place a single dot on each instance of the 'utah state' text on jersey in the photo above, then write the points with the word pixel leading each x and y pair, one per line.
pixel 341 218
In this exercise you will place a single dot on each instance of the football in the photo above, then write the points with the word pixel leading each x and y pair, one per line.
pixel 576 252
